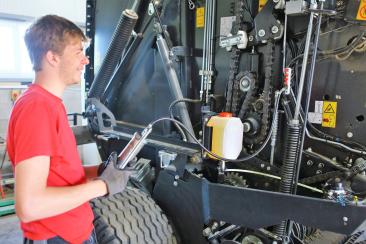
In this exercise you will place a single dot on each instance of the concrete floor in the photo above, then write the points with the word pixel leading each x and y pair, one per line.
pixel 10 232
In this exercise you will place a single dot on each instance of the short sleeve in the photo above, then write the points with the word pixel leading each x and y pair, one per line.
pixel 35 131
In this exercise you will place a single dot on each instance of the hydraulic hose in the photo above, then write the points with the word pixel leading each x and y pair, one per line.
pixel 118 43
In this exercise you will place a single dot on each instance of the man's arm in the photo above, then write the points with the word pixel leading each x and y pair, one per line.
pixel 35 200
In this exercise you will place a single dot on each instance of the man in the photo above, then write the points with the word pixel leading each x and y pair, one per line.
pixel 51 190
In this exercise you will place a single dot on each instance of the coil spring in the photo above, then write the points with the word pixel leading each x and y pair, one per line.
pixel 120 38
pixel 289 166
pixel 290 157
pixel 300 231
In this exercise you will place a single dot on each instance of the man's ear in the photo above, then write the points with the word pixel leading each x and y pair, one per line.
pixel 52 58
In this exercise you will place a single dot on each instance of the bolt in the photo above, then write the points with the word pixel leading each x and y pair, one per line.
pixel 262 165
pixel 215 225
pixel 274 29
pixel 349 134
pixel 261 33
pixel 245 83
pixel 268 168
pixel 246 127
pixel 175 183
pixel 176 177
pixel 251 38
pixel 309 163
pixel 318 172
pixel 345 219
pixel 200 133
pixel 320 165
pixel 352 71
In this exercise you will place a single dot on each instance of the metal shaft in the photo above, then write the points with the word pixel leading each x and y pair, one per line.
pixel 208 51
pixel 309 88
pixel 304 64
pixel 174 83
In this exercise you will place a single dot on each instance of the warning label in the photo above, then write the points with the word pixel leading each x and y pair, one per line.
pixel 200 17
pixel 261 4
pixel 329 114
pixel 361 14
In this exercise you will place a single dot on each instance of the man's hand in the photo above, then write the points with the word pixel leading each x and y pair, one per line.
pixel 115 179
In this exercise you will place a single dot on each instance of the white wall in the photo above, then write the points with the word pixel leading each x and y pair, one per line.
pixel 70 9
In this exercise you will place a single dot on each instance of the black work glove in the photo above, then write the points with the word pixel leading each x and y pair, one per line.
pixel 115 179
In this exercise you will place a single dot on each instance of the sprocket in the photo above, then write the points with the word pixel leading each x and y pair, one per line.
pixel 234 179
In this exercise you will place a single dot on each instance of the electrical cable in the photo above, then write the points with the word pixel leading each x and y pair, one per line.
pixel 184 137
pixel 339 144
pixel 278 96
pixel 181 100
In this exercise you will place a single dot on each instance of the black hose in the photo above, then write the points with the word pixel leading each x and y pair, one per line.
pixel 118 43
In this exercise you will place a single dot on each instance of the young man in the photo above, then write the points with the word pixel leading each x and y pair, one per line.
pixel 51 190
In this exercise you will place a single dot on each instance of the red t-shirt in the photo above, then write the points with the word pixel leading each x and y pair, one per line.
pixel 38 126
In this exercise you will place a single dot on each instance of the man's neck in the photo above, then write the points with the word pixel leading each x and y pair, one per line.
pixel 51 84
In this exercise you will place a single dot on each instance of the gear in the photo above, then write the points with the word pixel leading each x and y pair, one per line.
pixel 250 95
pixel 262 105
pixel 234 179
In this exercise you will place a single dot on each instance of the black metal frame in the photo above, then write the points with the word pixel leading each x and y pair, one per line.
pixel 193 202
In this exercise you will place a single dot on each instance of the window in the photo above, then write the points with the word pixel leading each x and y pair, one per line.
pixel 15 64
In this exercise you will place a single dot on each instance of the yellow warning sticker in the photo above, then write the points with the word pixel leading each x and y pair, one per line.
pixel 200 17
pixel 361 14
pixel 261 4
pixel 329 114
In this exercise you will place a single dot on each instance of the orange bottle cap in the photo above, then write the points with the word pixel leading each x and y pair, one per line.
pixel 225 114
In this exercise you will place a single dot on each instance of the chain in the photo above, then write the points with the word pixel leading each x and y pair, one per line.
pixel 232 94
pixel 266 97
pixel 267 91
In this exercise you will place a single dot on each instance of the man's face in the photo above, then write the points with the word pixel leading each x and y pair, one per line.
pixel 72 62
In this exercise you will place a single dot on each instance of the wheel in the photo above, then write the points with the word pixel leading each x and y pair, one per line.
pixel 131 217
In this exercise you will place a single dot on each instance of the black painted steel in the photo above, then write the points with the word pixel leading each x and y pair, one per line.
pixel 198 201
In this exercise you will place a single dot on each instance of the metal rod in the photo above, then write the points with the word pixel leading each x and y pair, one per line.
pixel 204 57
pixel 304 64
pixel 309 87
pixel 211 48
pixel 284 43
pixel 174 83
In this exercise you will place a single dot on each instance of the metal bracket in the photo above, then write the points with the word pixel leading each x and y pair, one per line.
pixel 166 158
pixel 240 40
pixel 296 7
pixel 100 117
pixel 266 26
pixel 181 51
